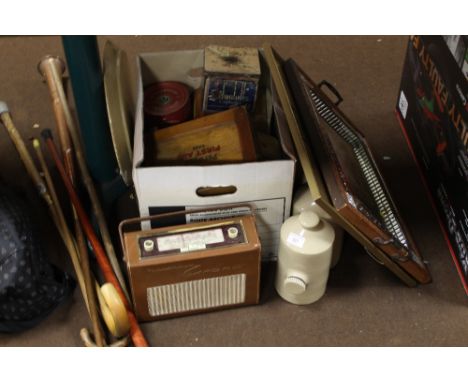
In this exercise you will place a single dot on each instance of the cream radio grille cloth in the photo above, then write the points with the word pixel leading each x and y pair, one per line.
pixel 196 295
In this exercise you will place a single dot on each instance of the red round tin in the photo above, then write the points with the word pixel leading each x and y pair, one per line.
pixel 167 103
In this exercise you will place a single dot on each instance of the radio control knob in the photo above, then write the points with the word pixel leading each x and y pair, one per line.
pixel 295 285
pixel 233 232
pixel 148 245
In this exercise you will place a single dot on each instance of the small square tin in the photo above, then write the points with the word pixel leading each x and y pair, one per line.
pixel 231 78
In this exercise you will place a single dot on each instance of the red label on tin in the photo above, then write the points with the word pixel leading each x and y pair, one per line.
pixel 168 102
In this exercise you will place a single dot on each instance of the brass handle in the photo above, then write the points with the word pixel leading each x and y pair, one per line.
pixel 335 92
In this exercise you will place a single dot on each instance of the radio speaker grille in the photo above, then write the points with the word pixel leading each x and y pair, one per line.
pixel 196 295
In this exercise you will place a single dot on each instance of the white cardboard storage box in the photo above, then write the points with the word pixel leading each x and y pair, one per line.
pixel 266 185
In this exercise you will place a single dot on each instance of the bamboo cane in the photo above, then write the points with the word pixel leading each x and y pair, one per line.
pixel 50 68
pixel 68 157
pixel 113 312
pixel 23 152
pixel 44 193
pixel 41 187
pixel 112 309
pixel 135 330
pixel 84 269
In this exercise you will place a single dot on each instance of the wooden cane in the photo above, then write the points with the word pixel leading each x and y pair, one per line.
pixel 68 159
pixel 86 338
pixel 44 193
pixel 112 308
pixel 113 315
pixel 52 69
pixel 81 266
pixel 60 120
pixel 106 268
pixel 64 139
pixel 23 152
pixel 66 146
pixel 39 183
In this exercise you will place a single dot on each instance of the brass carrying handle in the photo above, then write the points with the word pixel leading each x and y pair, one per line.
pixel 330 87
pixel 373 257
pixel 177 213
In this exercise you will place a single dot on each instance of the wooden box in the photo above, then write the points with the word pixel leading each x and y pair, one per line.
pixel 224 137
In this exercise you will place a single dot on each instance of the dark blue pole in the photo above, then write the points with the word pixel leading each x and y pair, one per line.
pixel 84 66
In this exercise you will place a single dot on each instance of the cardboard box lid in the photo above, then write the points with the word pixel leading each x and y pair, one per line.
pixel 392 248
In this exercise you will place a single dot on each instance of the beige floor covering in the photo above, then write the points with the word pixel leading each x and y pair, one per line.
pixel 364 304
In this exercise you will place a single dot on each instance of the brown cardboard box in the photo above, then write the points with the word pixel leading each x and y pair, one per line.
pixel 433 112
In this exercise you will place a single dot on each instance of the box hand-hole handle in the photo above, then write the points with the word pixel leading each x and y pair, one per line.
pixel 332 89
pixel 215 191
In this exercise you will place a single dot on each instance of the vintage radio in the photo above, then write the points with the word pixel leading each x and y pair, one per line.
pixel 192 268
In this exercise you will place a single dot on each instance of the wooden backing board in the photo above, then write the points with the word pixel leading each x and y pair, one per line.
pixel 353 180
pixel 312 173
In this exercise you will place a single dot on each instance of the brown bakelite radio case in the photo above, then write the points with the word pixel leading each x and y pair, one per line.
pixel 192 268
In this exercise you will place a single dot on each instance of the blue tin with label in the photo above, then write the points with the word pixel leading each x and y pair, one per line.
pixel 224 93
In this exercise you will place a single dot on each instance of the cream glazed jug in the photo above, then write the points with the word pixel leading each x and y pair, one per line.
pixel 303 201
pixel 304 258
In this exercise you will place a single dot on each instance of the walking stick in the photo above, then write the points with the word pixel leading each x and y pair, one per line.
pixel 135 330
pixel 52 68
